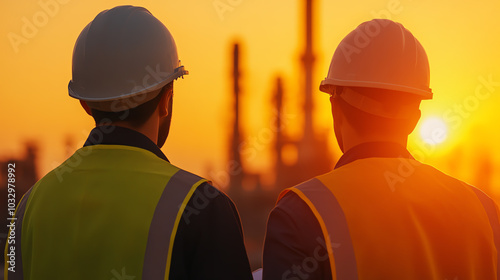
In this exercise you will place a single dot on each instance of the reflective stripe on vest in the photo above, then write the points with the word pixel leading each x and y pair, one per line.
pixel 491 211
pixel 333 224
pixel 166 218
pixel 18 274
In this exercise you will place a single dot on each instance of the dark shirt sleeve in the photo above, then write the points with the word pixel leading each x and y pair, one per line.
pixel 294 247
pixel 209 242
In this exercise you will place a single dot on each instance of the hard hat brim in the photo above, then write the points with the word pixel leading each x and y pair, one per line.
pixel 327 83
pixel 80 93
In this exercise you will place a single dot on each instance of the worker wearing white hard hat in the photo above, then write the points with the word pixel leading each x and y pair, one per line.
pixel 117 208
pixel 381 214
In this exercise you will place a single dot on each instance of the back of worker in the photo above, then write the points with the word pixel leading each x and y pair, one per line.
pixel 117 208
pixel 426 226
pixel 381 214
pixel 100 214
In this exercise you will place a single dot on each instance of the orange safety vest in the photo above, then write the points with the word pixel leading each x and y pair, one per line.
pixel 396 218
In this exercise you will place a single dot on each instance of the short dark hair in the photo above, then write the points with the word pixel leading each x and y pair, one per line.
pixel 366 122
pixel 136 116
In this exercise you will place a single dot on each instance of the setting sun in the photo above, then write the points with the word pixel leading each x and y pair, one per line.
pixel 433 130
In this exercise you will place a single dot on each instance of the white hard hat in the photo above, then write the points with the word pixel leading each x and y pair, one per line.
pixel 122 59
pixel 379 54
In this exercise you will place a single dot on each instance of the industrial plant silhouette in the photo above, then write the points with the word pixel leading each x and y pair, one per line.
pixel 313 155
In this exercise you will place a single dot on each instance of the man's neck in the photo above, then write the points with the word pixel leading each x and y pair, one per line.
pixel 149 128
pixel 355 141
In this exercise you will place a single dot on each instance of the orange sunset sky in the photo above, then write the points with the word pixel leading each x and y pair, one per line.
pixel 461 38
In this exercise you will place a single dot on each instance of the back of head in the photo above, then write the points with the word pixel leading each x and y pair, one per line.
pixel 378 111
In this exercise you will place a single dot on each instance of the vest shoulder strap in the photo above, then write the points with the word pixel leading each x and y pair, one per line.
pixel 333 224
pixel 165 222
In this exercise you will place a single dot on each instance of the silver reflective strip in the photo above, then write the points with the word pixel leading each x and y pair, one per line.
pixel 336 224
pixel 21 208
pixel 491 210
pixel 163 223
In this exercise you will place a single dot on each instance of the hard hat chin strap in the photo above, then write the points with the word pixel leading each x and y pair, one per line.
pixel 369 105
pixel 118 105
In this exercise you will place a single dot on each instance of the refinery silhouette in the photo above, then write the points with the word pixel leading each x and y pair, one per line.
pixel 313 154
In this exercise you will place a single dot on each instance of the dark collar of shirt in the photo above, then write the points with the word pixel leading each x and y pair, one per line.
pixel 117 135
pixel 373 149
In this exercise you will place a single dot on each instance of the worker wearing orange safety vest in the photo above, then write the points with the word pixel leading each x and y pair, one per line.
pixel 381 214
pixel 117 208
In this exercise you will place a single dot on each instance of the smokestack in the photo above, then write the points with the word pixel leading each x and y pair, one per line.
pixel 278 102
pixel 236 178
pixel 308 62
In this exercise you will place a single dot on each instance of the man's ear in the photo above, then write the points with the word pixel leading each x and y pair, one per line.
pixel 164 101
pixel 412 123
pixel 86 107
pixel 336 110
pixel 338 119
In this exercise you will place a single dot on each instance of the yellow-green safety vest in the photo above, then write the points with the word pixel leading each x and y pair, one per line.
pixel 122 201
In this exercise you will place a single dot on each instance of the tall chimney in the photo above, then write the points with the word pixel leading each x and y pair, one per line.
pixel 236 178
pixel 308 62
pixel 278 102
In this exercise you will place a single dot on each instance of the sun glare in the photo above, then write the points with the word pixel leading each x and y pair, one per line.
pixel 434 130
